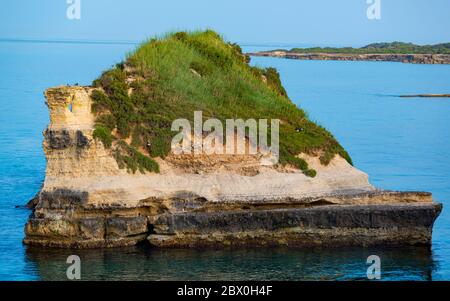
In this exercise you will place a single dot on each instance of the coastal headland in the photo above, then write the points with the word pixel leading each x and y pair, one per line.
pixel 386 52
pixel 402 58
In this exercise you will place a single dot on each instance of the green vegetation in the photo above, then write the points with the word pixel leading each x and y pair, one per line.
pixel 173 76
pixel 382 48
pixel 104 135
pixel 127 156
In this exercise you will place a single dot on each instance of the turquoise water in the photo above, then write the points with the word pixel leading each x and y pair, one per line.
pixel 401 143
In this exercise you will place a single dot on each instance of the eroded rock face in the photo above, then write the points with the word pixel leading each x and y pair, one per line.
pixel 69 147
pixel 88 201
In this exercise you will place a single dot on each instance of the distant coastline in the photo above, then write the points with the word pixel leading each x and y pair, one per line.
pixel 426 95
pixel 389 52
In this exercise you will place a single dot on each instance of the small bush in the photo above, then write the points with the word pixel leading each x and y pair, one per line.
pixel 298 162
pixel 104 135
pixel 310 173
pixel 127 156
pixel 107 121
pixel 181 36
pixel 100 101
pixel 145 163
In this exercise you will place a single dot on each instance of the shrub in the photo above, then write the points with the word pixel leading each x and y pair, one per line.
pixel 127 156
pixel 107 121
pixel 100 101
pixel 310 173
pixel 104 135
pixel 297 162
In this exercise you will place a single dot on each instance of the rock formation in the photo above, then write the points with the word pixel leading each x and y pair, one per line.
pixel 403 58
pixel 88 201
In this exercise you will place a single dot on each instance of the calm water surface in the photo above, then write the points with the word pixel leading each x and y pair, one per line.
pixel 401 143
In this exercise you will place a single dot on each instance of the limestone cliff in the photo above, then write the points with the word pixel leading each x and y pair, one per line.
pixel 88 201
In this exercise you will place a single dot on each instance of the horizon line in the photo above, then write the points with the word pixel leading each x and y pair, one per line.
pixel 134 42
pixel 120 42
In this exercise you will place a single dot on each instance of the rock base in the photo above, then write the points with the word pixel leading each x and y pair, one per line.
pixel 292 223
pixel 328 226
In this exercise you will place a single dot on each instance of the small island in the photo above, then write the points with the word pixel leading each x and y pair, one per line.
pixel 389 52
pixel 112 178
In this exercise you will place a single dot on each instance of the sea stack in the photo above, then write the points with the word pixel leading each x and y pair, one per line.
pixel 113 180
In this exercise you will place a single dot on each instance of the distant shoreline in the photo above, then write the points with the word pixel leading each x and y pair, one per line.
pixel 385 57
pixel 426 95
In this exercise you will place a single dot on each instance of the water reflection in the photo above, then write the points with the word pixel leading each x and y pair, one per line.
pixel 144 263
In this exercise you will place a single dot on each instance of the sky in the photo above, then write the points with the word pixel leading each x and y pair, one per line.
pixel 261 22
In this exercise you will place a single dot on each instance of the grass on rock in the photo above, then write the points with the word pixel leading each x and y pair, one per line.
pixel 171 77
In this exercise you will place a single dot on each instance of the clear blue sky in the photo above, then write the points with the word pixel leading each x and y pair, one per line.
pixel 321 22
